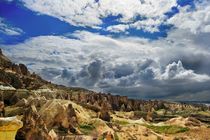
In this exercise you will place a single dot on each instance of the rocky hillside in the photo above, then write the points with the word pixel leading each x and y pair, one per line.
pixel 17 75
pixel 53 112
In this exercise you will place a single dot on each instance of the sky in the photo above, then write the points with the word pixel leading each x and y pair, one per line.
pixel 148 49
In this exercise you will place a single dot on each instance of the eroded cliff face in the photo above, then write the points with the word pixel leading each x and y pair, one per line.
pixel 51 112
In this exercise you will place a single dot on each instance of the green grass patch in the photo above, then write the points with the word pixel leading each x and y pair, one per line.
pixel 121 122
pixel 86 128
pixel 168 129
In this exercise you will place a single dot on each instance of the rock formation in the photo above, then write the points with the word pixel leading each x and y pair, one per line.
pixel 9 127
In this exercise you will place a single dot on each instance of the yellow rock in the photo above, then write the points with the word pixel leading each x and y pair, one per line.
pixel 9 127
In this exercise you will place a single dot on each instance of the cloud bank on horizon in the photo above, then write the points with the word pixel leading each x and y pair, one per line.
pixel 138 48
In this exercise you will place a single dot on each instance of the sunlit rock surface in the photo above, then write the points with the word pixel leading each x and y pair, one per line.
pixel 9 127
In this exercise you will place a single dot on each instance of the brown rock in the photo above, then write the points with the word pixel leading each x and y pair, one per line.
pixel 54 113
pixel 104 115
pixel 34 126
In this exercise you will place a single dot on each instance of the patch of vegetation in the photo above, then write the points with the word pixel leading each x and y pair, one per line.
pixel 168 129
pixel 121 122
pixel 86 128
pixel 205 113
pixel 116 137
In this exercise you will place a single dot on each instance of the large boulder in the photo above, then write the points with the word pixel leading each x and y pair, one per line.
pixel 9 127
pixel 56 112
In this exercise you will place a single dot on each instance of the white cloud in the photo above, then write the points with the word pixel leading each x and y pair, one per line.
pixel 118 28
pixel 82 13
pixel 9 30
pixel 90 13
pixel 150 25
pixel 137 67
pixel 177 71
pixel 197 20
pixel 151 13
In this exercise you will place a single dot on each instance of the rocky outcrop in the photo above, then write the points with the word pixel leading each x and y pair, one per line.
pixel 17 75
pixel 45 121
pixel 104 115
pixel 9 127
pixel 34 127
pixel 23 69
pixel 62 115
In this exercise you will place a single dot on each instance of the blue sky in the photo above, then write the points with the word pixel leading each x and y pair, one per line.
pixel 138 48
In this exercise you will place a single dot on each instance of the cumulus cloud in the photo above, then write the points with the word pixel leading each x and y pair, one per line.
pixel 127 66
pixel 196 20
pixel 9 30
pixel 146 15
pixel 91 12
pixel 177 71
